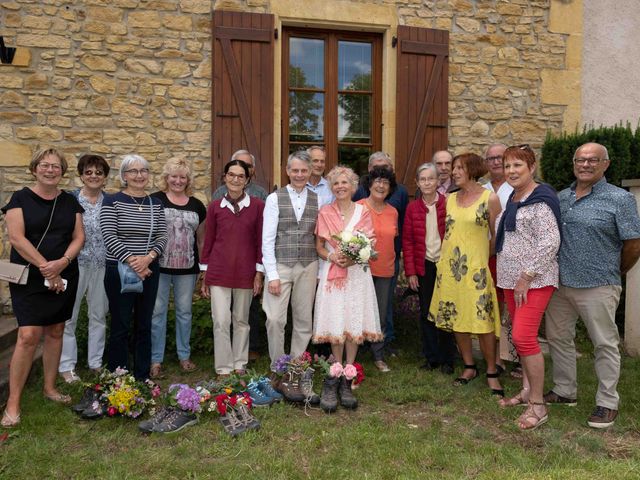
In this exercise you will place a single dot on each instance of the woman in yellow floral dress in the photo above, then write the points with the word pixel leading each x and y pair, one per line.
pixel 464 301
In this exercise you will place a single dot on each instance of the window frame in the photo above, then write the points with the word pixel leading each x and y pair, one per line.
pixel 331 91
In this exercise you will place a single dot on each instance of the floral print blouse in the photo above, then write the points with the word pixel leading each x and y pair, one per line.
pixel 93 253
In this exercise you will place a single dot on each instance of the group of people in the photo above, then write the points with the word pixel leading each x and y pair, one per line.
pixel 473 249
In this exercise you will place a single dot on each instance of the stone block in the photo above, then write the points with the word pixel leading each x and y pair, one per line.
pixel 169 136
pixel 144 19
pixel 43 134
pixel 176 69
pixel 36 23
pixel 500 130
pixel 118 137
pixel 37 102
pixel 59 121
pixel 105 14
pixel 10 98
pixel 95 62
pixel 83 136
pixel 139 65
pixel 15 117
pixel 123 107
pixel 102 84
pixel 468 24
pixel 195 6
pixel 10 81
pixel 42 41
pixel 36 81
pixel 178 22
pixel 189 93
pixel 14 154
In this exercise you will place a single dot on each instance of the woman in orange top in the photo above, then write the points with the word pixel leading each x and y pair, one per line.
pixel 382 183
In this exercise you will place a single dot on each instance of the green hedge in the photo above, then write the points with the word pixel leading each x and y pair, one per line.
pixel 622 142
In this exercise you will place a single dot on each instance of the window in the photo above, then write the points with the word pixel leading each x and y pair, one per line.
pixel 332 95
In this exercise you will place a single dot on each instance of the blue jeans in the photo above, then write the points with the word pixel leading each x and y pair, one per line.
pixel 389 332
pixel 128 308
pixel 183 286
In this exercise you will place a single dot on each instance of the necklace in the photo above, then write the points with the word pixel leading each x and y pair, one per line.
pixel 136 202
pixel 344 214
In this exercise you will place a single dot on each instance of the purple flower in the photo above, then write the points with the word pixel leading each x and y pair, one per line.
pixel 186 397
pixel 282 364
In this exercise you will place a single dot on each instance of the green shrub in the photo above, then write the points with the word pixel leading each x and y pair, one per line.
pixel 624 151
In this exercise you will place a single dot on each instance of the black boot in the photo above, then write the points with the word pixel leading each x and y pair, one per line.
pixel 347 399
pixel 88 397
pixel 329 396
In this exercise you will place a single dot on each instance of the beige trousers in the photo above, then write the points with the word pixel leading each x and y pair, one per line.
pixel 297 284
pixel 230 355
pixel 597 309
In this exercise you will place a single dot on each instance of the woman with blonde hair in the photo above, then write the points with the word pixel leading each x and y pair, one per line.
pixel 179 268
pixel 346 309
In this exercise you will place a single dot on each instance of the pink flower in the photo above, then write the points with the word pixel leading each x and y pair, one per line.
pixel 335 370
pixel 112 411
pixel 350 372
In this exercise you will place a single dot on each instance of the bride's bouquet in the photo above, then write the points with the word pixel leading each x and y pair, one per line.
pixel 356 246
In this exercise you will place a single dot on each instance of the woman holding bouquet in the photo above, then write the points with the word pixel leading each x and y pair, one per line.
pixel 345 309
pixel 382 184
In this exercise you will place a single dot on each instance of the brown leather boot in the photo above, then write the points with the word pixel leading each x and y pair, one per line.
pixel 289 387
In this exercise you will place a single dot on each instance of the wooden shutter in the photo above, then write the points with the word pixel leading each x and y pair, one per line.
pixel 421 98
pixel 243 91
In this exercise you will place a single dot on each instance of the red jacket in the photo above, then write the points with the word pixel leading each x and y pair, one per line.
pixel 414 232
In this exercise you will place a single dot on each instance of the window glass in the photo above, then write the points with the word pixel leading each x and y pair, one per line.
pixel 354 118
pixel 355 157
pixel 354 65
pixel 306 63
pixel 306 116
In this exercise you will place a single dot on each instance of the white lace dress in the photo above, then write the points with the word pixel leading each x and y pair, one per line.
pixel 347 313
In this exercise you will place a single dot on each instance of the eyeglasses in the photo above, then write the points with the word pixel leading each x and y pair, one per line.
pixel 495 158
pixel 97 173
pixel 232 176
pixel 592 161
pixel 382 181
pixel 56 167
pixel 135 172
pixel 524 146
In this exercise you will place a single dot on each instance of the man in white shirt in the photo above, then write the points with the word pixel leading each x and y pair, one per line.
pixel 317 183
pixel 496 182
pixel 290 259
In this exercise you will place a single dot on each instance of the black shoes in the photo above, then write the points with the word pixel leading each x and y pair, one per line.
pixel 347 399
pixel 329 396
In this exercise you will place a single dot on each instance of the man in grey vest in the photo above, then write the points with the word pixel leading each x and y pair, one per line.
pixel 290 258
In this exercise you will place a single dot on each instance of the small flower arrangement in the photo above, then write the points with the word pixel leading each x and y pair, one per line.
pixel 356 246
pixel 184 397
pixel 124 395
pixel 287 363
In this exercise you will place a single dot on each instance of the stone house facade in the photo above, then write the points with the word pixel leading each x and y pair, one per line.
pixel 120 76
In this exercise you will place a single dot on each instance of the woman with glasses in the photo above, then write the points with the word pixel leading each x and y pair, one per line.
pixel 93 171
pixel 44 225
pixel 179 269
pixel 233 255
pixel 422 238
pixel 135 234
pixel 382 184
pixel 527 243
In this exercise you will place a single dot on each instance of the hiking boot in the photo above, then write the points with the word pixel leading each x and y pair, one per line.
pixel 94 410
pixel 175 421
pixel 347 399
pixel 265 387
pixel 244 414
pixel 553 397
pixel 149 425
pixel 306 385
pixel 258 397
pixel 88 397
pixel 231 423
pixel 329 396
pixel 290 387
pixel 602 417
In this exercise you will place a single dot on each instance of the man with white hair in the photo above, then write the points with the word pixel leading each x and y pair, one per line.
pixel 317 183
pixel 600 243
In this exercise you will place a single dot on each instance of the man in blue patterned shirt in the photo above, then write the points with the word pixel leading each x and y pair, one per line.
pixel 600 243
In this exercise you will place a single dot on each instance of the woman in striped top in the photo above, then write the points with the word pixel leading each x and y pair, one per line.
pixel 135 232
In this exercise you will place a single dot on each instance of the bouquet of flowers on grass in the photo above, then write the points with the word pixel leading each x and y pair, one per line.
pixel 123 394
pixel 184 397
pixel 356 246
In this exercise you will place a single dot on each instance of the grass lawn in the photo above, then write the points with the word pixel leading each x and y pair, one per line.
pixel 411 424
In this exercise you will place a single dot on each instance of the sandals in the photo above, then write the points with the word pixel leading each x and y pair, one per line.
pixel 187 365
pixel 462 380
pixel 155 371
pixel 58 398
pixel 517 372
pixel 530 420
pixel 517 401
pixel 495 391
pixel 8 421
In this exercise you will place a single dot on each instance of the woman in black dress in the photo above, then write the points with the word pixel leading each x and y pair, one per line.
pixel 45 231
